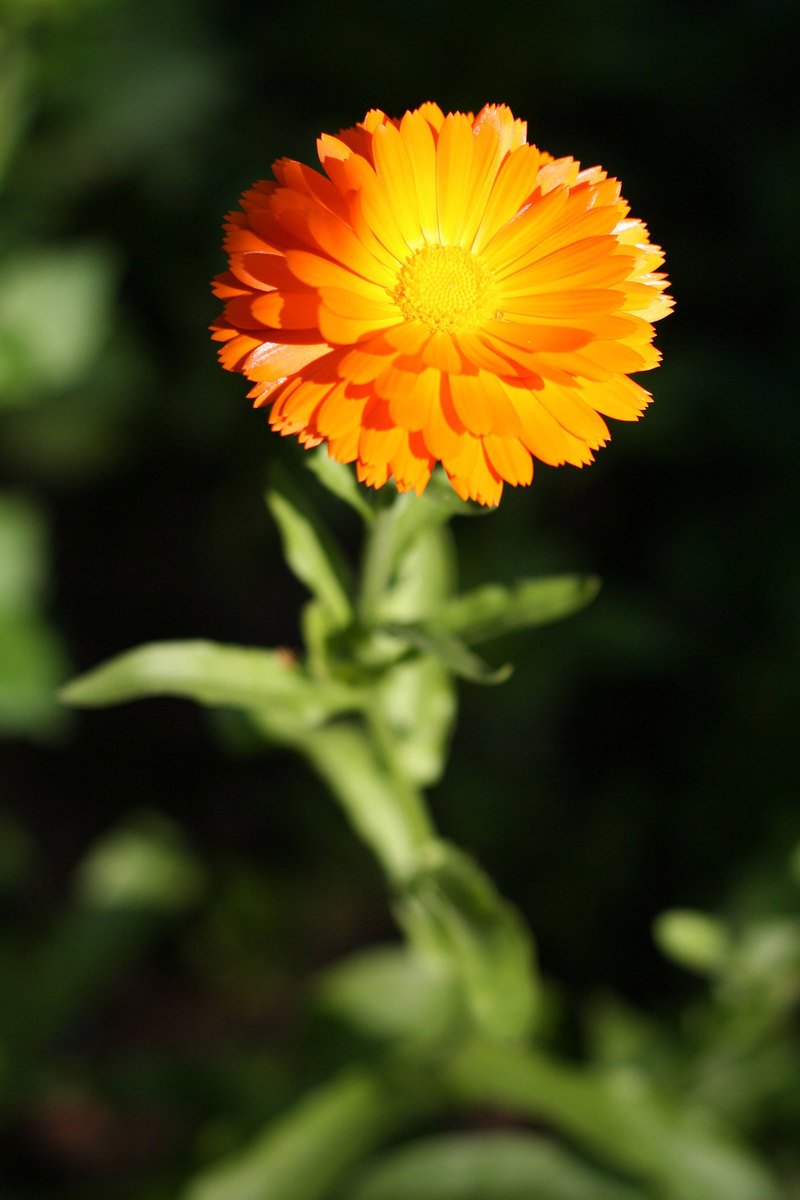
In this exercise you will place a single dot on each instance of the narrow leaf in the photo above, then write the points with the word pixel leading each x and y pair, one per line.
pixel 418 702
pixel 670 1146
pixel 503 1166
pixel 437 505
pixel 305 1153
pixel 231 676
pixel 490 611
pixel 450 650
pixel 450 908
pixel 340 481
pixel 692 939
pixel 310 550
pixel 390 994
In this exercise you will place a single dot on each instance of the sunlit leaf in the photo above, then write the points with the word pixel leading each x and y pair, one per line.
pixel 14 78
pixel 486 1166
pixel 418 701
pixel 309 548
pixel 391 994
pixel 211 674
pixel 66 292
pixel 449 650
pixel 340 480
pixel 304 1153
pixel 143 865
pixel 672 1147
pixel 32 657
pixel 451 909
pixel 22 555
pixel 437 505
pixel 692 939
pixel 490 611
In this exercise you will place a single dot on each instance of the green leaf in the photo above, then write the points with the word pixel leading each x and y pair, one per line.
pixel 305 1153
pixel 693 940
pixel 487 1166
pixel 32 665
pixel 451 909
pixel 131 881
pixel 142 865
pixel 487 612
pixel 437 505
pixel 418 702
pixel 382 805
pixel 450 650
pixel 68 293
pixel 32 658
pixel 310 550
pixel 15 72
pixel 231 676
pixel 22 555
pixel 389 993
pixel 340 480
pixel 672 1147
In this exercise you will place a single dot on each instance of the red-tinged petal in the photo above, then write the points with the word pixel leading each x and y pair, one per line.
pixel 339 241
pixel 339 414
pixel 344 331
pixel 359 306
pixel 317 271
pixel 411 465
pixel 226 286
pixel 534 338
pixel 275 360
pixel 286 310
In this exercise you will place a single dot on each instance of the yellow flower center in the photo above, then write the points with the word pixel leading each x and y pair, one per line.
pixel 447 288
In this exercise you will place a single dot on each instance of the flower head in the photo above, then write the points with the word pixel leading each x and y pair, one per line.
pixel 444 292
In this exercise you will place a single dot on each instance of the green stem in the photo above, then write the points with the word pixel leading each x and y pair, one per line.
pixel 619 1118
pixel 383 806
pixel 378 558
pixel 304 1155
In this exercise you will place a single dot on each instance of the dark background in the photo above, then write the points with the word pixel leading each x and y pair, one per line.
pixel 642 756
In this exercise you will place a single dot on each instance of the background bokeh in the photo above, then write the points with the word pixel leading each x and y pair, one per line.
pixel 643 755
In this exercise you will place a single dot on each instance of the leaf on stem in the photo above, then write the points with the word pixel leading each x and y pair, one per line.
pixel 429 638
pixel 310 549
pixel 668 1143
pixel 692 939
pixel 229 676
pixel 503 1166
pixel 487 612
pixel 390 994
pixel 303 1154
pixel 418 702
pixel 340 481
pixel 450 908
pixel 437 505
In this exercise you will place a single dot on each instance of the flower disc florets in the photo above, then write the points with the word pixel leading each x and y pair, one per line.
pixel 444 292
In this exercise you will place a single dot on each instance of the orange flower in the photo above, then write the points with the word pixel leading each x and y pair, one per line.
pixel 444 292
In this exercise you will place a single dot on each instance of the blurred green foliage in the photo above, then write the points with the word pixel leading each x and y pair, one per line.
pixel 641 758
